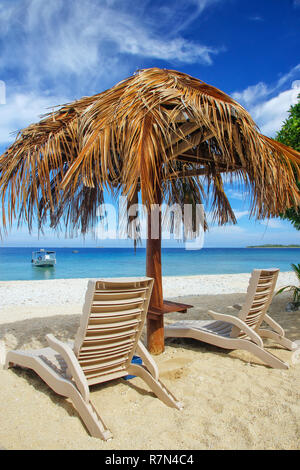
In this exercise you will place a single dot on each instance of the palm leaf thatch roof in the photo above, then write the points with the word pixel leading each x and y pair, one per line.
pixel 157 130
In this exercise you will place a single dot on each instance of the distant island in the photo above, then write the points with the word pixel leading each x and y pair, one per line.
pixel 274 246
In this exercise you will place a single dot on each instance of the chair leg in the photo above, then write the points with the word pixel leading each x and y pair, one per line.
pixel 282 340
pixel 90 417
pixel 156 386
pixel 63 387
pixel 264 355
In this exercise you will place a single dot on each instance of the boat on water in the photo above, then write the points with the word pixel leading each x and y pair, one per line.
pixel 43 258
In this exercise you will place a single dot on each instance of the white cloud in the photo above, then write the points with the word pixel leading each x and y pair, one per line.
pixel 81 47
pixel 224 230
pixel 251 94
pixel 239 195
pixel 176 49
pixel 271 114
pixel 178 9
pixel 23 109
pixel 272 223
pixel 269 104
pixel 240 214
pixel 261 91
pixel 82 36
pixel 227 235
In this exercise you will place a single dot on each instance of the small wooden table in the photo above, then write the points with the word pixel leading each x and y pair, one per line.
pixel 168 307
pixel 155 324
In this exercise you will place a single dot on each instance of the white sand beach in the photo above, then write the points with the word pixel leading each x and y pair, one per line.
pixel 232 400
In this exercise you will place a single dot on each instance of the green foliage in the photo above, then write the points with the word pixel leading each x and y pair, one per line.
pixel 269 245
pixel 294 289
pixel 293 215
pixel 290 135
pixel 290 131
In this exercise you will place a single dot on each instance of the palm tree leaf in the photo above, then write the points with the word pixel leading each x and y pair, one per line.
pixel 157 130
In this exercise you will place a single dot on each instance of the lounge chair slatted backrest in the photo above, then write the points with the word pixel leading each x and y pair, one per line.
pixel 259 296
pixel 113 317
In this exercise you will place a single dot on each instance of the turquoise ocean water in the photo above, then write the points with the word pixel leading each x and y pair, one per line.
pixel 15 263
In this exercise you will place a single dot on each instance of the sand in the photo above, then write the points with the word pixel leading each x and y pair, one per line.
pixel 232 400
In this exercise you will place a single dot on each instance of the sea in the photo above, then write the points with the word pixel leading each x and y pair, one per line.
pixel 15 263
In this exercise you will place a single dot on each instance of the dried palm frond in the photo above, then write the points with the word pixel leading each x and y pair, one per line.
pixel 159 130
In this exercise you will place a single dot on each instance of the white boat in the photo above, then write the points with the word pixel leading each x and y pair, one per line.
pixel 43 258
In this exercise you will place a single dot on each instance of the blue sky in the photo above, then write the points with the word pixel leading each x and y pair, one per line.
pixel 57 51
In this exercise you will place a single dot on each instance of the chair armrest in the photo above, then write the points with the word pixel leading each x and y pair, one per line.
pixel 147 360
pixel 240 324
pixel 273 324
pixel 73 366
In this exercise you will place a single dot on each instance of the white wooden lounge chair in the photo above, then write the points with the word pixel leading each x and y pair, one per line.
pixel 110 328
pixel 244 331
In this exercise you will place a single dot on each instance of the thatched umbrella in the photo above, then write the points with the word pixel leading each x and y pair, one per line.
pixel 159 133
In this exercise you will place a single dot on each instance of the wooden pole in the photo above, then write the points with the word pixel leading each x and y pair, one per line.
pixel 158 307
pixel 155 323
